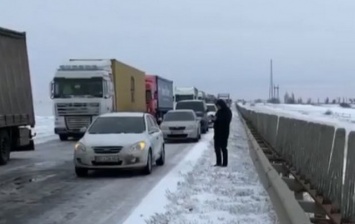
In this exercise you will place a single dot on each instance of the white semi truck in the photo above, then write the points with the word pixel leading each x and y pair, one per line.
pixel 185 93
pixel 201 95
pixel 82 89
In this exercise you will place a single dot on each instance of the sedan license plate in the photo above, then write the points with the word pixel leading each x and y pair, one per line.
pixel 177 132
pixel 107 159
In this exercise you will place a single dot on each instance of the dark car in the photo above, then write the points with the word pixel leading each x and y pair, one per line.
pixel 200 108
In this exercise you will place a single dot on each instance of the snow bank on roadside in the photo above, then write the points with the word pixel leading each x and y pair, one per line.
pixel 44 129
pixel 212 195
pixel 156 201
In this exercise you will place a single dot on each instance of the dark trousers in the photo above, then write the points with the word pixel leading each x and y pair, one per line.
pixel 220 148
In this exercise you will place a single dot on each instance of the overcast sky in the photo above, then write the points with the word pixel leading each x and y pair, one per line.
pixel 215 45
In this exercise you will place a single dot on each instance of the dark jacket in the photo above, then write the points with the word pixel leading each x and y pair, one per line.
pixel 222 122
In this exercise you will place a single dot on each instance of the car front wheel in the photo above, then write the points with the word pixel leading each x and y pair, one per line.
pixel 81 172
pixel 161 160
pixel 148 167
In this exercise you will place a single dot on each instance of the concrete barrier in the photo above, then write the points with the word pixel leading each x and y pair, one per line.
pixel 316 151
pixel 285 205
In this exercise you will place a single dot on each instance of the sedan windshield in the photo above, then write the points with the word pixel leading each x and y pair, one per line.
pixel 117 125
pixel 179 116
pixel 211 108
pixel 191 105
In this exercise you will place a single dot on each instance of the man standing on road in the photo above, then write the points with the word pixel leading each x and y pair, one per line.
pixel 221 132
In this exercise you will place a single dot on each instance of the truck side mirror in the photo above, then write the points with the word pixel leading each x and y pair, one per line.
pixel 51 89
pixel 156 95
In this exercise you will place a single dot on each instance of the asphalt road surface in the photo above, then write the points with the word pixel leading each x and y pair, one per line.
pixel 40 187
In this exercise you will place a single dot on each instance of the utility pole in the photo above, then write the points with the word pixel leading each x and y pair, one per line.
pixel 271 90
pixel 276 92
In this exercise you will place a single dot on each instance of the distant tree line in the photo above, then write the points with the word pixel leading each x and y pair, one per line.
pixel 343 102
pixel 291 99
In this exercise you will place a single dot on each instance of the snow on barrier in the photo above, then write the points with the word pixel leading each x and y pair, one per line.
pixel 318 152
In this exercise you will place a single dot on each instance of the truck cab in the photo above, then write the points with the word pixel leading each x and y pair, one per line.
pixel 81 90
pixel 185 93
pixel 201 95
pixel 151 95
pixel 159 96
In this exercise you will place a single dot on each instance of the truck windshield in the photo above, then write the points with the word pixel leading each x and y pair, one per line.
pixel 117 125
pixel 179 116
pixel 66 88
pixel 183 97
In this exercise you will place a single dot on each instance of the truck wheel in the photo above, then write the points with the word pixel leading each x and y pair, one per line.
pixel 63 137
pixel 5 148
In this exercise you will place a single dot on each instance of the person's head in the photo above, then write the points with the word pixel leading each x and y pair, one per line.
pixel 220 104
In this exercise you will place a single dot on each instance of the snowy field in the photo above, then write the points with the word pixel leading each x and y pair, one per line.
pixel 324 114
pixel 44 122
pixel 329 111
pixel 195 192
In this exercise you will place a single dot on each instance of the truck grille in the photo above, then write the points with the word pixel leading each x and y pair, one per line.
pixel 64 109
pixel 107 149
pixel 77 122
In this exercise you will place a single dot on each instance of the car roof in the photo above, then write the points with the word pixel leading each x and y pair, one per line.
pixel 182 110
pixel 123 114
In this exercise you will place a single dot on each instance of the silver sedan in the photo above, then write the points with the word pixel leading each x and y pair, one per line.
pixel 181 125
pixel 120 141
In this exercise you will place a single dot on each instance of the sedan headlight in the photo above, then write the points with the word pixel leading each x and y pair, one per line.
pixel 80 147
pixel 139 146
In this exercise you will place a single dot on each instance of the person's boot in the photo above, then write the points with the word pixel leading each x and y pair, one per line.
pixel 225 159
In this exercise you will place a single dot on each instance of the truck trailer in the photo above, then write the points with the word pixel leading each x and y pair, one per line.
pixel 82 89
pixel 225 97
pixel 159 96
pixel 16 103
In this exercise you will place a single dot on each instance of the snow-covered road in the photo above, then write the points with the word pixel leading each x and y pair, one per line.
pixel 41 187
pixel 202 194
